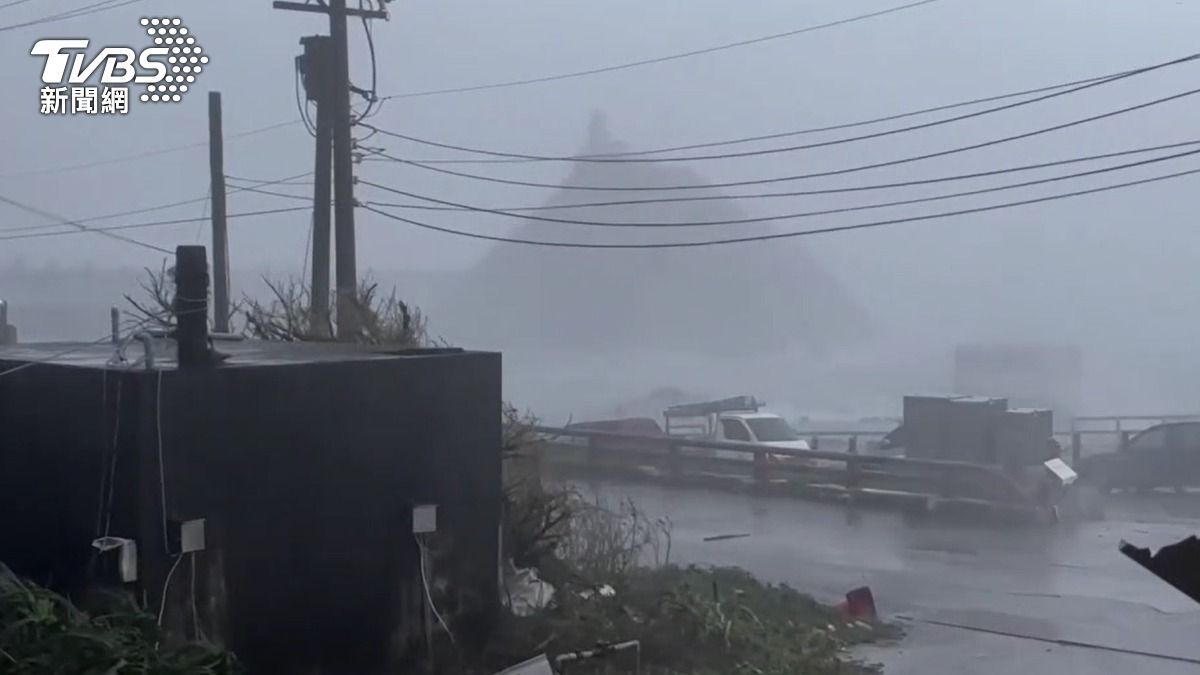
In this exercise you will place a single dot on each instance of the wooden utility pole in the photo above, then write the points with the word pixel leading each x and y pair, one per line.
pixel 315 66
pixel 220 235
pixel 343 158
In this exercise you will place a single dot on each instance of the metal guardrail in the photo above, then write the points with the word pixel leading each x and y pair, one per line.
pixel 934 473
pixel 1121 434
pixel 1136 418
pixel 836 433
pixel 756 448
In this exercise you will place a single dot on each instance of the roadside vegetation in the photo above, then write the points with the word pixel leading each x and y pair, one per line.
pixel 42 633
pixel 614 581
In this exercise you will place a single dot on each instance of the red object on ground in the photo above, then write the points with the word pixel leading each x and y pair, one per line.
pixel 859 604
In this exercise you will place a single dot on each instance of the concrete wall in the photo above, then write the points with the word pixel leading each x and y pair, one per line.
pixel 53 436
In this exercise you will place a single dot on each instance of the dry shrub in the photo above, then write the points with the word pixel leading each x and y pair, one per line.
pixel 517 434
pixel 287 316
pixel 157 306
pixel 604 545
pixel 379 319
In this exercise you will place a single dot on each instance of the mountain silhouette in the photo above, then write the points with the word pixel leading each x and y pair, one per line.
pixel 765 295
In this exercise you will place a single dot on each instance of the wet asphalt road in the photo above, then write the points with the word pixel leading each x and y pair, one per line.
pixel 1064 582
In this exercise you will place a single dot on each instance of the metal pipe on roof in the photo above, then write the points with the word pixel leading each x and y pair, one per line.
pixel 147 341
pixel 8 334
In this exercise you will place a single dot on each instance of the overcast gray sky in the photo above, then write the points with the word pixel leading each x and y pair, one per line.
pixel 1106 265
pixel 943 52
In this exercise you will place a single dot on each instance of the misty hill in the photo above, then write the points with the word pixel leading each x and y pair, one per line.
pixel 762 296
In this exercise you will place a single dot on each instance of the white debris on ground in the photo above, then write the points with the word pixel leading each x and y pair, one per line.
pixel 604 591
pixel 525 592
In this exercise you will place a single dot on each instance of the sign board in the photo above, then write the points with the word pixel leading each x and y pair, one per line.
pixel 1065 474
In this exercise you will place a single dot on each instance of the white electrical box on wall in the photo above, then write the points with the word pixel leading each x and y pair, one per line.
pixel 424 518
pixel 129 565
pixel 191 536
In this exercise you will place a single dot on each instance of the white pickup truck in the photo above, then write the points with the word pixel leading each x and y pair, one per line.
pixel 736 419
pixel 758 427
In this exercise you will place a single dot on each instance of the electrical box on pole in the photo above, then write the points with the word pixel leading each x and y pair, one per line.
pixel 315 66
pixel 336 97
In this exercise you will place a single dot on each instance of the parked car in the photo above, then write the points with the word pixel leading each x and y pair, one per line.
pixel 1164 455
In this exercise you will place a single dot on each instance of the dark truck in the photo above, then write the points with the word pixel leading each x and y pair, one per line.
pixel 1164 455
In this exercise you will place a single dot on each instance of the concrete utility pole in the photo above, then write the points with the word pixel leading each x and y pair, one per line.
pixel 220 233
pixel 343 169
pixel 315 67
pixel 343 176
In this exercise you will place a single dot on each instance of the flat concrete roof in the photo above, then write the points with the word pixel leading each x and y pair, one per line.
pixel 239 352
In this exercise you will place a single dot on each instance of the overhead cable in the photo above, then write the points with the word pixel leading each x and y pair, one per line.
pixel 786 216
pixel 157 223
pixel 56 355
pixel 783 179
pixel 148 153
pixel 157 207
pixel 71 223
pixel 782 235
pixel 85 10
pixel 693 146
pixel 796 132
pixel 660 59
pixel 797 193
pixel 791 148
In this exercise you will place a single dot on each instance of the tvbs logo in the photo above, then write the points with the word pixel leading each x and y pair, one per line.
pixel 167 69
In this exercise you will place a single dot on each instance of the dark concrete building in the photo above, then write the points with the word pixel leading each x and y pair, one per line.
pixel 304 461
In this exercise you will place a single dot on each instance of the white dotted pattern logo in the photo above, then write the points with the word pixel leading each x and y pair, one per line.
pixel 185 61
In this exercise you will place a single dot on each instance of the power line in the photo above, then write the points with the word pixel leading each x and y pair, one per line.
pixel 158 223
pixel 301 105
pixel 148 209
pixel 791 216
pixel 783 235
pixel 94 8
pixel 792 148
pixel 782 179
pixel 373 98
pixel 77 348
pixel 259 181
pixel 204 214
pixel 303 198
pixel 801 132
pixel 55 356
pixel 806 193
pixel 92 219
pixel 660 59
pixel 694 146
pixel 82 228
pixel 13 3
pixel 150 153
